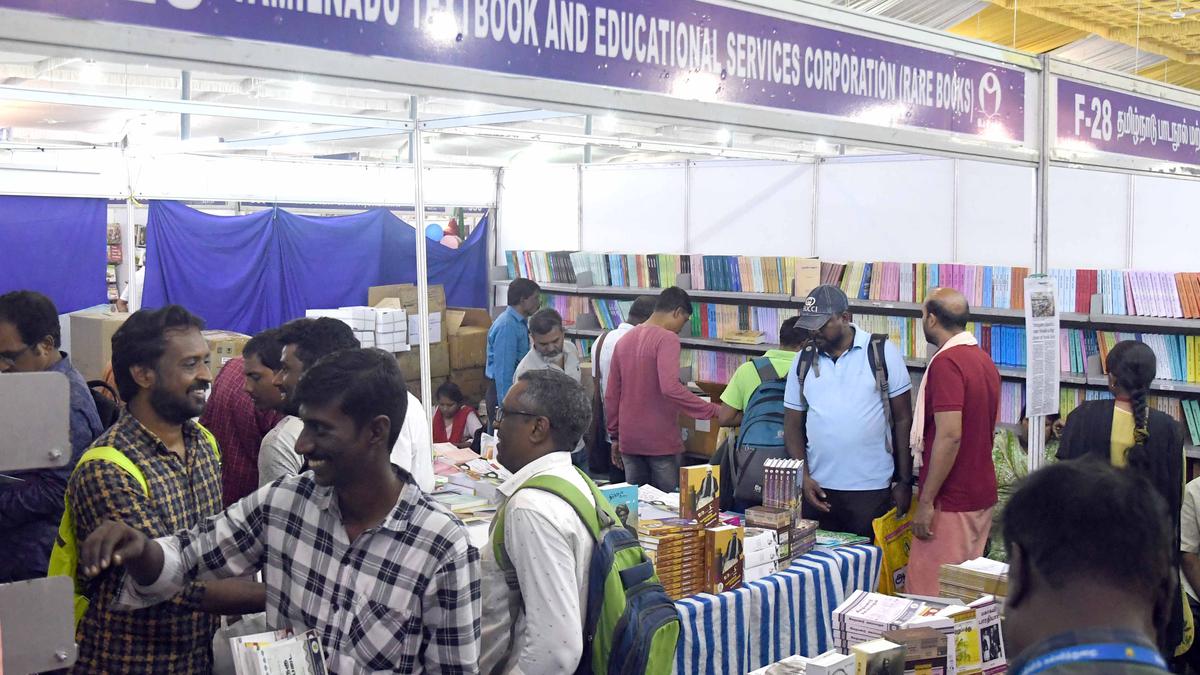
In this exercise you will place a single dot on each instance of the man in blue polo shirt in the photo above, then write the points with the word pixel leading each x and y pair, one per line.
pixel 838 424
pixel 508 339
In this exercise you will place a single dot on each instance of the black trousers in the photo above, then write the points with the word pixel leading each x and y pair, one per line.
pixel 851 510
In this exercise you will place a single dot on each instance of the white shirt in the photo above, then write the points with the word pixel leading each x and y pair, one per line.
pixel 539 629
pixel 413 450
pixel 1189 528
pixel 534 361
pixel 132 295
pixel 277 454
pixel 602 362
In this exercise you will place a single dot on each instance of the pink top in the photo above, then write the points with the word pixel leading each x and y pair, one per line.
pixel 644 396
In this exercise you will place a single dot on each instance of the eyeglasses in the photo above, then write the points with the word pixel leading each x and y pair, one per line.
pixel 10 358
pixel 501 412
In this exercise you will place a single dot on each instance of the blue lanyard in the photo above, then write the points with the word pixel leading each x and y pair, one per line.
pixel 1114 652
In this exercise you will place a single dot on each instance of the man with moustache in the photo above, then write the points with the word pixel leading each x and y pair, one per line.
pixel 160 365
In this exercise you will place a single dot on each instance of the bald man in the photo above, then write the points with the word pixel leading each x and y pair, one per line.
pixel 951 440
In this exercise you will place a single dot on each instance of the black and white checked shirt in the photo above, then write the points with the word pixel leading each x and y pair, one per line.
pixel 404 597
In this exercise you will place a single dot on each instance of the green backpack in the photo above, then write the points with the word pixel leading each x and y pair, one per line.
pixel 64 557
pixel 632 626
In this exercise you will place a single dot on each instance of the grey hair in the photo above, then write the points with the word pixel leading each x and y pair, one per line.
pixel 560 399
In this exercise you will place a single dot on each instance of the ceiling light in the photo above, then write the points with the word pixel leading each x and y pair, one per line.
pixel 304 89
pixel 822 147
pixel 442 26
pixel 724 136
pixel 609 122
pixel 90 72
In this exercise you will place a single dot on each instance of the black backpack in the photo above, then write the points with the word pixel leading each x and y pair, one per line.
pixel 106 402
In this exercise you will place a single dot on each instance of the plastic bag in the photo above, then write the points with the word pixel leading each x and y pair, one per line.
pixel 893 535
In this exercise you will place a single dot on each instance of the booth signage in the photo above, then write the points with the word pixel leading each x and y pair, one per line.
pixel 1106 120
pixel 682 48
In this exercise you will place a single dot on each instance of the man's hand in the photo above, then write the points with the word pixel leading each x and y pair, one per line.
pixel 109 545
pixel 617 460
pixel 901 498
pixel 815 495
pixel 922 522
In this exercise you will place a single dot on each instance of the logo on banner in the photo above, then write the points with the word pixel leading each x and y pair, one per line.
pixel 989 86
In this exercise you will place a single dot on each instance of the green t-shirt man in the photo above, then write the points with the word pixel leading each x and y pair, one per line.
pixel 745 379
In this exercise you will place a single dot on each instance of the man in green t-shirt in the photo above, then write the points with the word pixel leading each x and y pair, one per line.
pixel 745 379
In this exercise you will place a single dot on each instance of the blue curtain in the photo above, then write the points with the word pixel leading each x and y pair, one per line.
pixel 55 246
pixel 248 273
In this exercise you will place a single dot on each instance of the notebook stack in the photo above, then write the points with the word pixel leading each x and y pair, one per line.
pixel 677 548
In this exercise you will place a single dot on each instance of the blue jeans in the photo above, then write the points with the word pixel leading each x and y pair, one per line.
pixel 661 472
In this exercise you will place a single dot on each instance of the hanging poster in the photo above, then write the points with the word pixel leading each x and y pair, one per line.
pixel 1042 346
pixel 683 48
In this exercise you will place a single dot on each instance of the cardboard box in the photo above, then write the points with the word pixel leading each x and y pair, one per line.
pixel 91 341
pixel 360 319
pixel 410 363
pixel 223 346
pixel 466 331
pixel 472 381
pixel 700 436
pixel 405 296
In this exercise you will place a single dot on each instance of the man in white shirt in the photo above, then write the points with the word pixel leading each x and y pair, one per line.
pixel 535 626
pixel 306 341
pixel 550 348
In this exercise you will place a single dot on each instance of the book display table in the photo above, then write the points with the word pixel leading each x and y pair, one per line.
pixel 786 613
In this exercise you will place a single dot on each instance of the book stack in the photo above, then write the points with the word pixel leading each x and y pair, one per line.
pixel 762 553
pixel 925 650
pixel 827 539
pixel 866 616
pixel 746 337
pixel 677 549
pixel 879 657
pixel 725 557
pixel 778 522
pixel 973 579
pixel 699 493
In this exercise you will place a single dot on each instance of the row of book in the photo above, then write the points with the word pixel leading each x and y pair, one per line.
pixel 1178 356
pixel 733 273
pixel 711 366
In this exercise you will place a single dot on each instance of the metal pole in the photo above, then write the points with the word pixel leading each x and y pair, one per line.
pixel 587 149
pixel 1041 252
pixel 185 120
pixel 129 246
pixel 412 112
pixel 422 269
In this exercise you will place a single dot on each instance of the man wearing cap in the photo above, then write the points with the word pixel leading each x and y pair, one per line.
pixel 856 464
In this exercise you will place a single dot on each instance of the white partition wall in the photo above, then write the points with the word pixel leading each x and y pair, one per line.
pixel 752 208
pixel 886 209
pixel 539 209
pixel 1166 223
pixel 634 209
pixel 1089 215
pixel 995 213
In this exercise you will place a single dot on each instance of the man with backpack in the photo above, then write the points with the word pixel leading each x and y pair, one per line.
pixel 753 400
pixel 31 507
pixel 848 417
pixel 540 613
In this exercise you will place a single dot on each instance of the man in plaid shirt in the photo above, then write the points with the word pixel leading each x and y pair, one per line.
pixel 354 549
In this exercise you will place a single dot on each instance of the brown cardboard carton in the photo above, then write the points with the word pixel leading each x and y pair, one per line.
pixel 471 380
pixel 700 436
pixel 406 294
pixel 410 363
pixel 223 346
pixel 91 341
pixel 466 331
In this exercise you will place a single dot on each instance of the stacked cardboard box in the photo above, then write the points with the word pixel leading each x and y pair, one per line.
pixel 466 334
pixel 404 296
pixel 439 364
pixel 91 341
pixel 379 327
pixel 677 549
pixel 223 346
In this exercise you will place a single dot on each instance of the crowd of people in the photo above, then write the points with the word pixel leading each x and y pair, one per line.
pixel 297 483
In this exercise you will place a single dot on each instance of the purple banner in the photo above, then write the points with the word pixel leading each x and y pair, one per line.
pixel 683 48
pixel 1097 118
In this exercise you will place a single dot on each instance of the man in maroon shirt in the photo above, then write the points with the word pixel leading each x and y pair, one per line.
pixel 644 396
pixel 952 430
pixel 240 420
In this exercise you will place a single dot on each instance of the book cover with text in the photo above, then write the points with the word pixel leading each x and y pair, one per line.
pixel 699 497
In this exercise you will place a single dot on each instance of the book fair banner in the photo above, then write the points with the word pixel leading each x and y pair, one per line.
pixel 1105 120
pixel 682 48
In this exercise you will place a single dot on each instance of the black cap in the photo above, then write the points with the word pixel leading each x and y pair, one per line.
pixel 821 305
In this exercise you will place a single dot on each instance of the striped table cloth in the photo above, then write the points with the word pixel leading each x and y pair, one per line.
pixel 764 621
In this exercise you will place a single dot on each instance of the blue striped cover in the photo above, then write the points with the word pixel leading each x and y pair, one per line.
pixel 764 621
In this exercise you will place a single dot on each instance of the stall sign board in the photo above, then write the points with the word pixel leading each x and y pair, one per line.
pixel 1106 120
pixel 682 48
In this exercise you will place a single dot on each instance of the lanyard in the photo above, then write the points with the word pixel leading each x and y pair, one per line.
pixel 1114 652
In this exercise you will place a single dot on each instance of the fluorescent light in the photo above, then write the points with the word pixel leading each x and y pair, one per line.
pixel 724 136
pixel 822 147
pixel 609 122
pixel 442 26
pixel 304 89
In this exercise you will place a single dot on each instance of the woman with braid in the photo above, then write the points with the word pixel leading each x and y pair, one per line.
pixel 1127 433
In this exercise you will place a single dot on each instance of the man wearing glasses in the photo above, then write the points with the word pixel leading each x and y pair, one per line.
pixel 31 503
